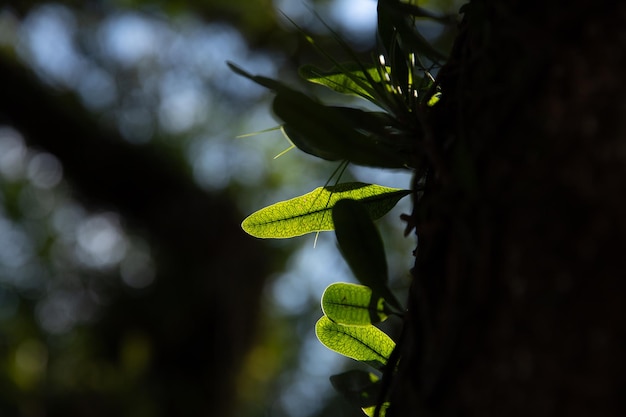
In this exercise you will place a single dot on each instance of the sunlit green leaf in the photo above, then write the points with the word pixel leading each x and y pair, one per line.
pixel 348 79
pixel 311 212
pixel 357 71
pixel 359 387
pixel 362 247
pixel 367 344
pixel 434 99
pixel 371 410
pixel 352 304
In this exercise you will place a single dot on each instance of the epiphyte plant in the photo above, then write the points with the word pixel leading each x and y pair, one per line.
pixel 398 81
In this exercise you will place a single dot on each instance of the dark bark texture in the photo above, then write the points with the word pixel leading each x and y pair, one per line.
pixel 517 306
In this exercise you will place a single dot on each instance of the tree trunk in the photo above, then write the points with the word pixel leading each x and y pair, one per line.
pixel 517 303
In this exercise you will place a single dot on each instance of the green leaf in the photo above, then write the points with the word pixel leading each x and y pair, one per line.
pixel 434 99
pixel 352 304
pixel 339 133
pixel 311 212
pixel 359 387
pixel 370 411
pixel 360 243
pixel 362 247
pixel 336 133
pixel 378 93
pixel 348 79
pixel 367 344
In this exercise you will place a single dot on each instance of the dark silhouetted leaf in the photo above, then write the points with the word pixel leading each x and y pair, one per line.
pixel 336 133
pixel 362 247
pixel 359 387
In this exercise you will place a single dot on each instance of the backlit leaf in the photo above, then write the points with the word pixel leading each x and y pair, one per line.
pixel 348 79
pixel 371 411
pixel 311 212
pixel 352 304
pixel 367 344
pixel 434 99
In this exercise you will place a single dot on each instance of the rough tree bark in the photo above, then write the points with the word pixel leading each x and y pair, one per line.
pixel 517 303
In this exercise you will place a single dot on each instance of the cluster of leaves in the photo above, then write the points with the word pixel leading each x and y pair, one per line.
pixel 399 83
pixel 351 310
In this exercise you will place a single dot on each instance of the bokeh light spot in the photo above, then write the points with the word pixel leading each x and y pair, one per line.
pixel 44 170
pixel 12 154
pixel 138 269
pixel 128 38
pixel 29 366
pixel 101 242
pixel 47 38
pixel 15 246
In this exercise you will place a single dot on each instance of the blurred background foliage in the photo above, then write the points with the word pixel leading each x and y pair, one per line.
pixel 126 285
